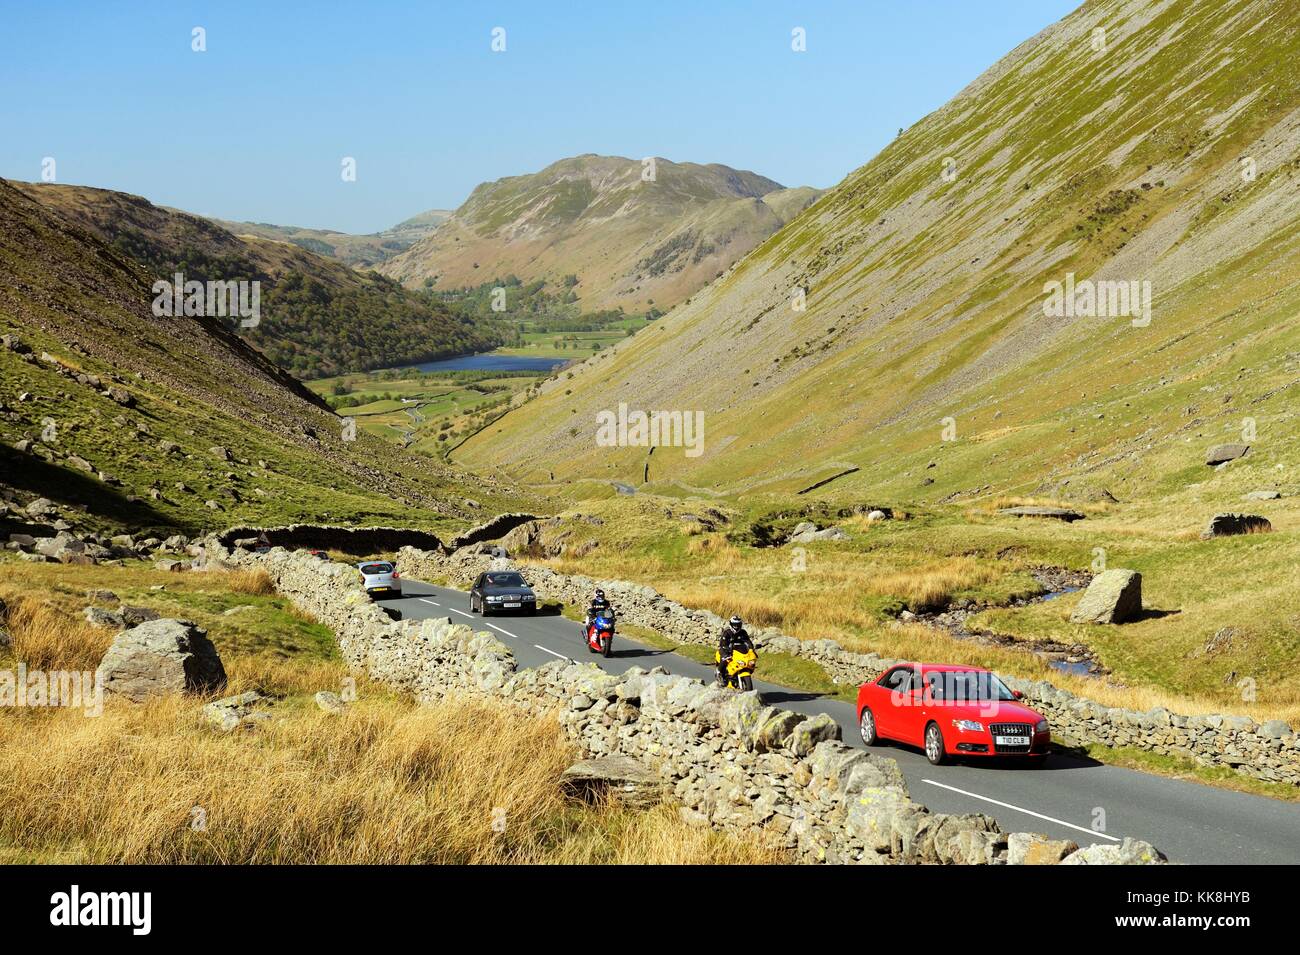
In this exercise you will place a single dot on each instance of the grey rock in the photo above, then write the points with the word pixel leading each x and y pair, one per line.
pixel 1034 848
pixel 1129 852
pixel 330 702
pixel 1275 729
pixel 238 711
pixel 812 731
pixel 1222 453
pixel 99 617
pixel 1114 596
pixel 161 657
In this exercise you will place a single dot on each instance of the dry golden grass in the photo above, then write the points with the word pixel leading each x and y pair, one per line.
pixel 387 782
pixel 931 585
pixel 258 583
pixel 724 601
pixel 46 638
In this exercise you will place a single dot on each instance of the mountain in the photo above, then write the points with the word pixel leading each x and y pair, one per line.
pixel 318 316
pixel 356 251
pixel 631 243
pixel 142 421
pixel 931 361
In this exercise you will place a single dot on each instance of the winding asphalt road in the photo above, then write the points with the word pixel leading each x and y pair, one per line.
pixel 1069 798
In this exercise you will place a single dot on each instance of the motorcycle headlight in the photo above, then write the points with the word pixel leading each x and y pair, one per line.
pixel 969 726
pixel 1040 726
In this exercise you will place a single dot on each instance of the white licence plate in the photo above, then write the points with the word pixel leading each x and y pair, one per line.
pixel 1011 740
pixel 509 603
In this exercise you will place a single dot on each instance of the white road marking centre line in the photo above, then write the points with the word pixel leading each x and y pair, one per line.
pixel 1027 812
pixel 551 652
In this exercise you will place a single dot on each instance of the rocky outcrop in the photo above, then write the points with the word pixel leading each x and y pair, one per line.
pixel 1054 513
pixel 1228 525
pixel 727 760
pixel 161 657
pixel 1114 596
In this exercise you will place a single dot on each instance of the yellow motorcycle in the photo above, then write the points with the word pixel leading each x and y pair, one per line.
pixel 740 669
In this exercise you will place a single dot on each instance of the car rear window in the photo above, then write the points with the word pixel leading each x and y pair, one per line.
pixel 376 568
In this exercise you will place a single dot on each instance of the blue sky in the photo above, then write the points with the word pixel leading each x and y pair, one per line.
pixel 257 126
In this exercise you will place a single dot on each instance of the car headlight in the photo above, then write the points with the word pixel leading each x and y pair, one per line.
pixel 1040 726
pixel 495 599
pixel 969 726
pixel 529 597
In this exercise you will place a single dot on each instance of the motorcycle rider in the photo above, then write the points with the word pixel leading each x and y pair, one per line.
pixel 599 606
pixel 734 637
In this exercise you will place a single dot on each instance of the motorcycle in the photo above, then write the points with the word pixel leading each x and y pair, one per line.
pixel 600 634
pixel 740 670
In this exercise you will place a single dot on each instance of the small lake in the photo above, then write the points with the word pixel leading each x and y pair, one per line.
pixel 491 361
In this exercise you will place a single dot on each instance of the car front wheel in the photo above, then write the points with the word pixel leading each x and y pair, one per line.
pixel 867 727
pixel 934 744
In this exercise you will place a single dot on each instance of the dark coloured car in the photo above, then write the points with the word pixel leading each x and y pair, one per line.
pixel 497 591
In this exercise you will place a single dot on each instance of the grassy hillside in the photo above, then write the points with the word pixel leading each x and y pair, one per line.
pixel 925 375
pixel 630 243
pixel 319 317
pixel 925 292
pixel 155 418
pixel 355 251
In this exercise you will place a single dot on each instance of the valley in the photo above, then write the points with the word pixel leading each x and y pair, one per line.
pixel 1017 394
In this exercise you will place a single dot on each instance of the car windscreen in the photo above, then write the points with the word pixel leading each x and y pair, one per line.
pixel 966 686
pixel 376 568
pixel 504 580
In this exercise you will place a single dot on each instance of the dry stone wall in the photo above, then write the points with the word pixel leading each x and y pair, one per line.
pixel 726 759
pixel 1268 751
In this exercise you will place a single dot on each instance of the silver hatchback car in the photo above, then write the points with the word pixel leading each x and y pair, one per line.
pixel 380 578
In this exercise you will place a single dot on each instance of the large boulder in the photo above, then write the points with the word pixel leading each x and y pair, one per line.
pixel 1222 453
pixel 160 657
pixel 1226 525
pixel 1114 596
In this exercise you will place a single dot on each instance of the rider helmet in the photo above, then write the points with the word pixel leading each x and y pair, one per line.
pixel 735 623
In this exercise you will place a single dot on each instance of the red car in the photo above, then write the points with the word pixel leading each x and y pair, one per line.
pixel 951 711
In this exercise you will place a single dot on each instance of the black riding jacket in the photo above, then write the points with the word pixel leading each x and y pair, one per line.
pixel 730 640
